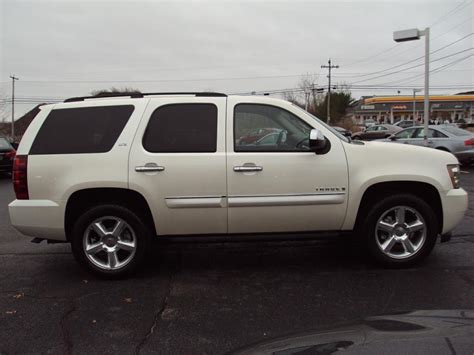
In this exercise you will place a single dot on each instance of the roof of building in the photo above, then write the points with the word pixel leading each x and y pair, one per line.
pixel 389 99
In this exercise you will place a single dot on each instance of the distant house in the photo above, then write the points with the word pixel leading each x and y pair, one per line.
pixel 21 124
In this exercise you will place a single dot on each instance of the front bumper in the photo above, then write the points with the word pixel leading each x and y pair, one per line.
pixel 38 218
pixel 455 203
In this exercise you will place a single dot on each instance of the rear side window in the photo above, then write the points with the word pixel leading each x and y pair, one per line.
pixel 456 131
pixel 81 130
pixel 182 128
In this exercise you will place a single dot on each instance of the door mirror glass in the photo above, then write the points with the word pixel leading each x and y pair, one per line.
pixel 317 142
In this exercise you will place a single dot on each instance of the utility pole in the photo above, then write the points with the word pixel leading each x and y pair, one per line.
pixel 329 66
pixel 13 106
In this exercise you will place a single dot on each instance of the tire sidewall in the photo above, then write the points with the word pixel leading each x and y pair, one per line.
pixel 378 209
pixel 142 235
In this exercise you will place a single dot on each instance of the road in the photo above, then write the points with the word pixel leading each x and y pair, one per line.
pixel 213 298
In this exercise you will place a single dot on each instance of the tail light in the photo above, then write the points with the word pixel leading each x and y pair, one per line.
pixel 20 177
pixel 10 155
pixel 469 142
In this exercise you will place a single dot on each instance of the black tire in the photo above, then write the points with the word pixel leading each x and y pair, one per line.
pixel 367 229
pixel 142 238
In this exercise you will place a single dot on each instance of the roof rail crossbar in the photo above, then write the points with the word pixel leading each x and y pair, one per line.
pixel 135 95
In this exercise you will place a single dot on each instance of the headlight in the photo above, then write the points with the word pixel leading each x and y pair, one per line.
pixel 453 171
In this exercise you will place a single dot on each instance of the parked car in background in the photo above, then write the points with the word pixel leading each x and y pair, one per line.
pixel 343 131
pixel 461 123
pixel 443 137
pixel 369 123
pixel 376 132
pixel 7 155
pixel 404 123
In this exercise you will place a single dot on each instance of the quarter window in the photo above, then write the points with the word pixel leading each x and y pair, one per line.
pixel 265 128
pixel 431 133
pixel 182 128
pixel 81 130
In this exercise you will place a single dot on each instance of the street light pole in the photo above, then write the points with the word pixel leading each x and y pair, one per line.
pixel 426 33
pixel 415 34
pixel 414 104
pixel 13 106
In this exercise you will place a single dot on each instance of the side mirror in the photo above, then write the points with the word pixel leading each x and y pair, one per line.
pixel 318 143
pixel 393 137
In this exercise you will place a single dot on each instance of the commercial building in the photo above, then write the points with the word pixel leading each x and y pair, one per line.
pixel 390 109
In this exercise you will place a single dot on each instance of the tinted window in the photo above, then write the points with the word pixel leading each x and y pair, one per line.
pixel 268 128
pixel 81 130
pixel 182 128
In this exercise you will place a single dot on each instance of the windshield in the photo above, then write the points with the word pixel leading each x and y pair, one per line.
pixel 4 144
pixel 456 131
pixel 338 134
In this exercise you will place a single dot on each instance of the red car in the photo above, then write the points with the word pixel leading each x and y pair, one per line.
pixel 7 155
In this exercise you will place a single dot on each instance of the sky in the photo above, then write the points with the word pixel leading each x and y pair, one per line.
pixel 60 49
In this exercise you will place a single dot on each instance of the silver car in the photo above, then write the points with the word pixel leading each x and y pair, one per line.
pixel 443 137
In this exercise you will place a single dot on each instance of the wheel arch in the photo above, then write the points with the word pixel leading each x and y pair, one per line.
pixel 423 190
pixel 81 200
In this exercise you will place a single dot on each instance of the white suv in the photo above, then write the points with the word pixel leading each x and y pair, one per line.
pixel 110 174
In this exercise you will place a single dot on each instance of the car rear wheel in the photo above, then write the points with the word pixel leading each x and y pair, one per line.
pixel 400 230
pixel 110 241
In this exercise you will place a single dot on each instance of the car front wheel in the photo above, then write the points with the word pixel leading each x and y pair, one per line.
pixel 110 241
pixel 400 230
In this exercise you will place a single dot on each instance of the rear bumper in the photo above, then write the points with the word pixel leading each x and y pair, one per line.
pixel 455 204
pixel 38 218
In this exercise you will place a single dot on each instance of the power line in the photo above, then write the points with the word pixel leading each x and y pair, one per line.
pixel 418 58
pixel 414 66
pixel 434 23
pixel 360 87
pixel 434 71
pixel 456 9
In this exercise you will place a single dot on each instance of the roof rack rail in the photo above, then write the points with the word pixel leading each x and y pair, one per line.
pixel 135 95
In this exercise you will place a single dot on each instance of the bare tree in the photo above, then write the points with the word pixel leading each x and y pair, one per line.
pixel 114 90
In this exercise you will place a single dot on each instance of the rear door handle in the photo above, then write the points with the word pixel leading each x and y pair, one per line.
pixel 149 168
pixel 244 169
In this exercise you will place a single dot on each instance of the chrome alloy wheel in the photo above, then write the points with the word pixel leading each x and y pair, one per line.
pixel 400 232
pixel 109 243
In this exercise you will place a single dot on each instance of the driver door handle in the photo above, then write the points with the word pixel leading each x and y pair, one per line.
pixel 244 169
pixel 148 168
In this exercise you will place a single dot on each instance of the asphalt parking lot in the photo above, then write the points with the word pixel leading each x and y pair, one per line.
pixel 213 298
